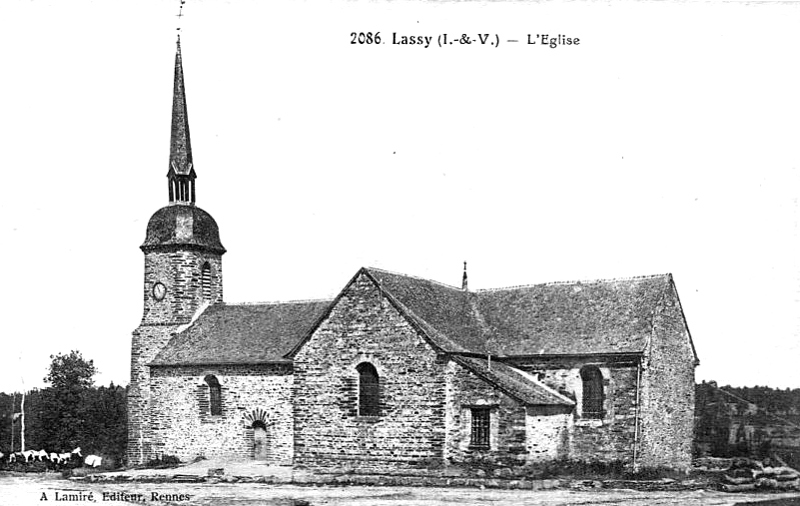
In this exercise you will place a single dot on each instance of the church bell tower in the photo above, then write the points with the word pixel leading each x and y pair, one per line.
pixel 182 272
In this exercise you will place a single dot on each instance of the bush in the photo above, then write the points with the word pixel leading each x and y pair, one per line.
pixel 163 462
pixel 580 469
pixel 78 471
pixel 428 463
pixel 35 467
pixel 655 473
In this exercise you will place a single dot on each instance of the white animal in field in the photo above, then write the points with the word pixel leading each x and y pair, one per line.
pixel 54 458
pixel 93 461
pixel 41 455
pixel 67 457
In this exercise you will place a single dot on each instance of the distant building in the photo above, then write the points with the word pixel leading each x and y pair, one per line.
pixel 398 371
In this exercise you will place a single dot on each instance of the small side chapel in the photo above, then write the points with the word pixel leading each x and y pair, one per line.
pixel 398 371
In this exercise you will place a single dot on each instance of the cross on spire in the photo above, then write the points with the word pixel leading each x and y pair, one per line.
pixel 179 15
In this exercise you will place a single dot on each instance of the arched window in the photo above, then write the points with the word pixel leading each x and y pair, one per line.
pixel 214 395
pixel 592 392
pixel 368 390
pixel 205 281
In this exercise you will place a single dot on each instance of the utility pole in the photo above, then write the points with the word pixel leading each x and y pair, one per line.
pixel 22 411
pixel 22 416
pixel 13 418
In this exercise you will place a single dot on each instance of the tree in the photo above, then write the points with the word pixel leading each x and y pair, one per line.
pixel 63 419
pixel 70 371
pixel 71 412
pixel 105 423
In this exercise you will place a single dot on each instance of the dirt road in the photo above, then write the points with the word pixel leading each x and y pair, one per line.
pixel 17 490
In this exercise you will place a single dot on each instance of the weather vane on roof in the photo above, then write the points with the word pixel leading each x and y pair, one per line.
pixel 179 15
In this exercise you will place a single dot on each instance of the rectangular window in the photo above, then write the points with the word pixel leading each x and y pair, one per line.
pixel 480 428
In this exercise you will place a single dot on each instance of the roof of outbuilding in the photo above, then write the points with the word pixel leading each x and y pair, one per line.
pixel 515 383
pixel 243 333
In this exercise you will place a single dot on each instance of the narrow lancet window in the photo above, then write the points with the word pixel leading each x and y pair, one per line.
pixel 368 390
pixel 214 395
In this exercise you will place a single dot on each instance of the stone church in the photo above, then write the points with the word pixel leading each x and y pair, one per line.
pixel 397 371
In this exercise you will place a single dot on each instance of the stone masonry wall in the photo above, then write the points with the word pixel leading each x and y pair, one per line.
pixel 180 272
pixel 146 342
pixel 547 433
pixel 184 427
pixel 668 391
pixel 365 327
pixel 610 438
pixel 507 427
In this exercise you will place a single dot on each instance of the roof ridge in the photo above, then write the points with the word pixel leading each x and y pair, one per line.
pixel 445 285
pixel 275 302
pixel 573 282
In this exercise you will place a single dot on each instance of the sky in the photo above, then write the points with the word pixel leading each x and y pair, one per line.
pixel 666 141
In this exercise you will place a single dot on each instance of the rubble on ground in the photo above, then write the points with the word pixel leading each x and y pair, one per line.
pixel 748 474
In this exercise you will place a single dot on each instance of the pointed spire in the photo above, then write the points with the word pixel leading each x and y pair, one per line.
pixel 180 146
pixel 464 278
pixel 181 171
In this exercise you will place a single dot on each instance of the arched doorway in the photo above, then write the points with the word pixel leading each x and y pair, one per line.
pixel 260 440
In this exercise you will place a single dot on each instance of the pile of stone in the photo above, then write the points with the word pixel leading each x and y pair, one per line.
pixel 745 475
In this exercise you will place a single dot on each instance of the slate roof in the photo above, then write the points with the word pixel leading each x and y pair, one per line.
pixel 183 225
pixel 180 148
pixel 446 313
pixel 243 333
pixel 606 316
pixel 575 318
pixel 515 383
pixel 583 317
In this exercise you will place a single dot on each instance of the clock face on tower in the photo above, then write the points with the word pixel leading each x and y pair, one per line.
pixel 159 290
